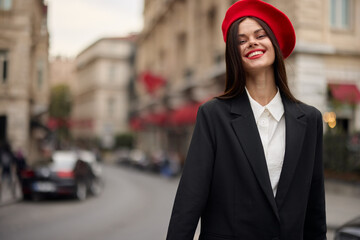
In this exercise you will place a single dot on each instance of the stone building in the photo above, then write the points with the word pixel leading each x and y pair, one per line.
pixel 182 43
pixel 101 95
pixel 23 73
pixel 62 71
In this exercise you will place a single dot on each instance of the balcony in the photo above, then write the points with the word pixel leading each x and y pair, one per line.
pixel 5 16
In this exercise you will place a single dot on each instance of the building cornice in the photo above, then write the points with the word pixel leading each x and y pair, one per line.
pixel 96 88
pixel 129 39
pixel 89 61
pixel 323 49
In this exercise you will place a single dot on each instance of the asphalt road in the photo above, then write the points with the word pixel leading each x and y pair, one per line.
pixel 133 206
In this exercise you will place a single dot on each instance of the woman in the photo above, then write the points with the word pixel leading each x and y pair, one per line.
pixel 254 165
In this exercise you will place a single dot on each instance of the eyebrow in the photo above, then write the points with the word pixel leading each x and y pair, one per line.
pixel 256 31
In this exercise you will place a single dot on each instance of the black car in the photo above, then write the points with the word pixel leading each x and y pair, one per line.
pixel 349 231
pixel 67 173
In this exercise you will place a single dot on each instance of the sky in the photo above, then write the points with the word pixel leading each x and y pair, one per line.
pixel 75 24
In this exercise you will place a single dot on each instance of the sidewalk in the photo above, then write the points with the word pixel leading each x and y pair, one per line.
pixel 342 202
pixel 6 196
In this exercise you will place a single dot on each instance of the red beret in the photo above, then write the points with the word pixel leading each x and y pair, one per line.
pixel 279 23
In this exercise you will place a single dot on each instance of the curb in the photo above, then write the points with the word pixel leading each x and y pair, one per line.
pixel 332 227
pixel 10 202
pixel 342 188
pixel 7 198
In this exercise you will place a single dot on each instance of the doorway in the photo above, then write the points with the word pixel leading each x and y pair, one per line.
pixel 3 121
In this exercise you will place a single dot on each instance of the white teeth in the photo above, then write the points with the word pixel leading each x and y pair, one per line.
pixel 255 53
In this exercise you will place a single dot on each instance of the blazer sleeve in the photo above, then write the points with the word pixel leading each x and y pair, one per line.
pixel 315 221
pixel 193 189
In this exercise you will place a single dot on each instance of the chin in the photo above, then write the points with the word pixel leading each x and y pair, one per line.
pixel 257 67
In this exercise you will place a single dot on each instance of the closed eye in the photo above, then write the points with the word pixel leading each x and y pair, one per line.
pixel 262 36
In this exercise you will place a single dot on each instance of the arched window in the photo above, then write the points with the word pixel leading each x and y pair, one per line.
pixel 340 14
pixel 4 66
pixel 5 5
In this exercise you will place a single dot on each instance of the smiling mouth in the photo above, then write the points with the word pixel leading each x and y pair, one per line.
pixel 255 53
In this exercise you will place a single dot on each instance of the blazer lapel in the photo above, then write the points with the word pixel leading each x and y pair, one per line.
pixel 248 135
pixel 295 121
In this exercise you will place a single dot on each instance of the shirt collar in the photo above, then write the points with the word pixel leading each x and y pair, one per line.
pixel 275 106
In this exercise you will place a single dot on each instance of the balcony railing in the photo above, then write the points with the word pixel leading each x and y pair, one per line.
pixel 5 16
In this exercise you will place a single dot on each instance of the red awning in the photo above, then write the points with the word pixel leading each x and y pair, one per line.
pixel 152 82
pixel 52 123
pixel 136 124
pixel 347 93
pixel 184 115
pixel 158 119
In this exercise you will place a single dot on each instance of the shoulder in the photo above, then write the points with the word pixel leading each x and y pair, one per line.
pixel 214 112
pixel 312 115
pixel 309 110
pixel 215 106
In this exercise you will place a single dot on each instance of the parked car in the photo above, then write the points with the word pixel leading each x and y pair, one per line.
pixel 122 156
pixel 139 159
pixel 67 173
pixel 349 231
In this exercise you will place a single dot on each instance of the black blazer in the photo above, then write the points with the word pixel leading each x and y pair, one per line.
pixel 225 180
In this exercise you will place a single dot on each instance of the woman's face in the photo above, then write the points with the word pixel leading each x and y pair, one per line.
pixel 255 47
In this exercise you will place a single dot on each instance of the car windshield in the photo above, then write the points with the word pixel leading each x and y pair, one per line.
pixel 63 160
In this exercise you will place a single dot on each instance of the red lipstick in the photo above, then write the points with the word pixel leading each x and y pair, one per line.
pixel 260 53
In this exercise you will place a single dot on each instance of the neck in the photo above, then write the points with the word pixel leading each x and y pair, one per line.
pixel 261 86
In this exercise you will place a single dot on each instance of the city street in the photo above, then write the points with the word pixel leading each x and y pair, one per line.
pixel 134 206
pixel 119 84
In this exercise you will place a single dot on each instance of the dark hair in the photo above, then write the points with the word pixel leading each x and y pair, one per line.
pixel 235 73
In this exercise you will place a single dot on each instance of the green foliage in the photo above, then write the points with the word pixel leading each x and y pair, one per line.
pixel 337 155
pixel 60 110
pixel 60 102
pixel 125 140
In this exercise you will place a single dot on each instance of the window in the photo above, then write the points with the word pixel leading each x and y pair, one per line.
pixel 340 14
pixel 43 30
pixel 111 106
pixel 112 72
pixel 4 65
pixel 40 74
pixel 211 17
pixel 181 50
pixel 3 121
pixel 5 5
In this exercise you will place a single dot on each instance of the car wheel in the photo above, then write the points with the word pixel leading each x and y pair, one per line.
pixel 27 197
pixel 96 187
pixel 81 191
pixel 36 197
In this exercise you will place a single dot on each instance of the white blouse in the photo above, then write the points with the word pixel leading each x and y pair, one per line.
pixel 270 121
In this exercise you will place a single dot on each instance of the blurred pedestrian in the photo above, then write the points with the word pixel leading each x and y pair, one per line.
pixel 7 167
pixel 170 166
pixel 20 164
pixel 254 166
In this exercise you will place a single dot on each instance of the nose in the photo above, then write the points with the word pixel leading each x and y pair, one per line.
pixel 252 42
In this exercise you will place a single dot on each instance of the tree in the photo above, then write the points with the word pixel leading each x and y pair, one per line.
pixel 60 101
pixel 60 110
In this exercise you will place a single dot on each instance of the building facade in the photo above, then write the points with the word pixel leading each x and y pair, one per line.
pixel 104 71
pixel 24 73
pixel 182 42
pixel 62 71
